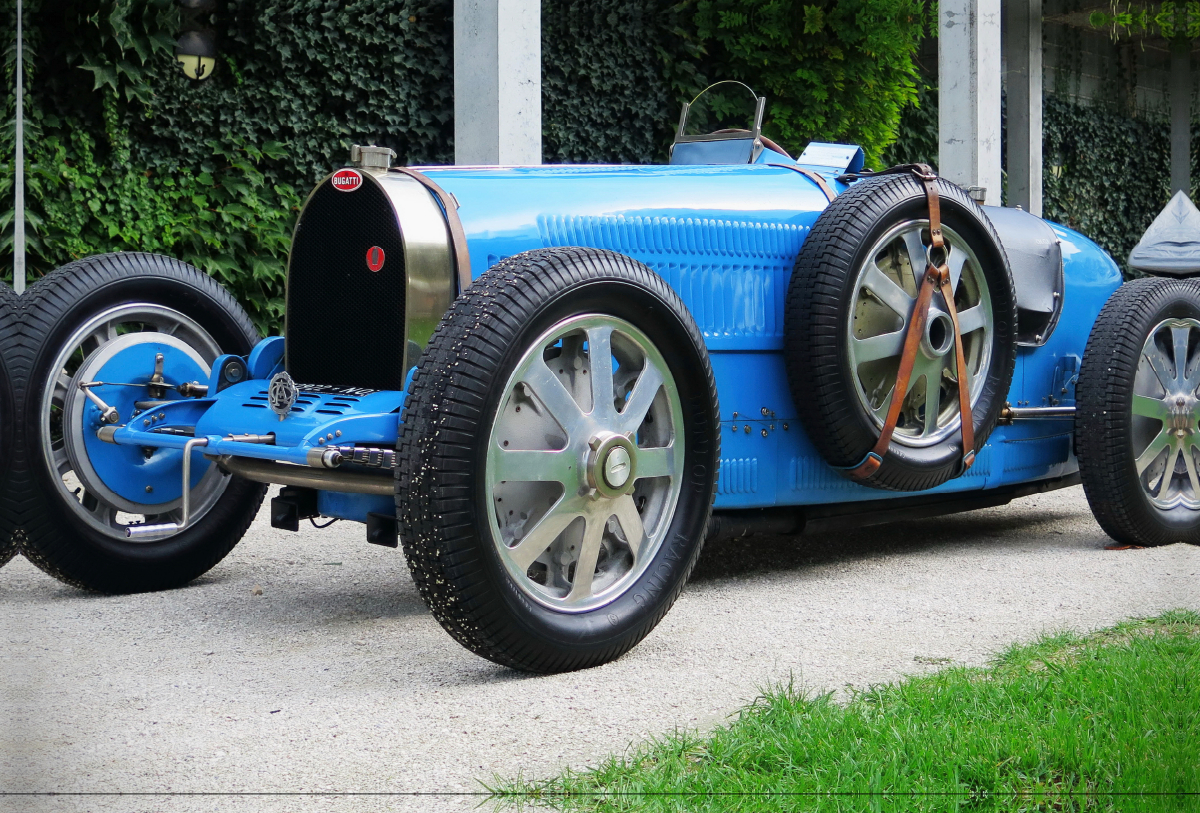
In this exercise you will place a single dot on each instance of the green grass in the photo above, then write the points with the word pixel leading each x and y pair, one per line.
pixel 1100 722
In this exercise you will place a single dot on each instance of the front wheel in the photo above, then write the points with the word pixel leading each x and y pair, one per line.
pixel 558 459
pixel 1137 432
pixel 119 323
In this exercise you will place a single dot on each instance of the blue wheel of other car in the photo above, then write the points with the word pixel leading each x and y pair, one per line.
pixel 558 459
pixel 1137 432
pixel 103 342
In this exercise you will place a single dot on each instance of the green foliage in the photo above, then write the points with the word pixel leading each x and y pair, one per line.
pixel 316 75
pixel 1169 20
pixel 833 70
pixel 124 152
pixel 1070 723
pixel 107 42
pixel 1106 175
pixel 614 74
pixel 230 222
pixel 917 134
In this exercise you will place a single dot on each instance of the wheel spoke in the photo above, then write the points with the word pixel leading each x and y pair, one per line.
pixel 1158 363
pixel 657 462
pixel 589 554
pixel 1161 441
pixel 881 410
pixel 62 463
pixel 98 338
pixel 1168 472
pixel 600 358
pixel 1179 338
pixel 924 366
pixel 933 402
pixel 888 292
pixel 916 255
pixel 1150 408
pixel 1192 381
pixel 551 393
pixel 883 346
pixel 972 319
pixel 1190 462
pixel 543 534
pixel 956 261
pixel 102 511
pixel 641 397
pixel 631 523
pixel 62 386
pixel 535 467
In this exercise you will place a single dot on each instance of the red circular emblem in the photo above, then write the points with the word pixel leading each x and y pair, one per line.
pixel 346 180
pixel 375 258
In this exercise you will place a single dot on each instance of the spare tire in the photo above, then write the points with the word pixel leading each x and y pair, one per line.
pixel 849 305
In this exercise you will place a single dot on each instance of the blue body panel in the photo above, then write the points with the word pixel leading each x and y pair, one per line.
pixel 725 238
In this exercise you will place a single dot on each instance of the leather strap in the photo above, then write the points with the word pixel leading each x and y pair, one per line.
pixel 458 236
pixel 936 276
pixel 812 176
pixel 920 170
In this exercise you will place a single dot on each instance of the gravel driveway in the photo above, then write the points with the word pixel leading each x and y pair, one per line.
pixel 336 679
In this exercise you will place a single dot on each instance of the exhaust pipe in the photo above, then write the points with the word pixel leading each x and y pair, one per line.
pixel 266 471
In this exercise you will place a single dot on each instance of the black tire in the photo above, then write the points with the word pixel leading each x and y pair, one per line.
pixel 54 537
pixel 9 321
pixel 443 502
pixel 1106 430
pixel 819 307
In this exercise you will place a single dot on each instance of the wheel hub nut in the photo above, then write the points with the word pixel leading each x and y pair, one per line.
pixel 1183 419
pixel 939 334
pixel 611 465
pixel 616 467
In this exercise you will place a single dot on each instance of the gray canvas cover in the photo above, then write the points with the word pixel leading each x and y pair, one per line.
pixel 1172 243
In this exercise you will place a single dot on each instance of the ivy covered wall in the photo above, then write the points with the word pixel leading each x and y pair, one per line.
pixel 124 152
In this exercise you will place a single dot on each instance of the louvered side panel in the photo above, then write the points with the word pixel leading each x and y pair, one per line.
pixel 732 275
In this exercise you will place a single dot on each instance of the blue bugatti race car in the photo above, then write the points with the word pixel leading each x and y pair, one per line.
pixel 550 384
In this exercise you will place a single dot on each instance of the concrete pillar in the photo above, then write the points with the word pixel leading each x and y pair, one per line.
pixel 969 95
pixel 1023 54
pixel 1181 118
pixel 497 81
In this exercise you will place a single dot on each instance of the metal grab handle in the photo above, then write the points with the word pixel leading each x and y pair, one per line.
pixel 168 528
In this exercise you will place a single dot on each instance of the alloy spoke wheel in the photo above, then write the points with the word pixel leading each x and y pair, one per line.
pixel 883 301
pixel 584 462
pixel 1166 414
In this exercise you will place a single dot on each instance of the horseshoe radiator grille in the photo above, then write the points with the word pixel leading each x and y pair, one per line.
pixel 345 322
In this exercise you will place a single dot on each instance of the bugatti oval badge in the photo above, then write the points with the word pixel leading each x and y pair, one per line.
pixel 375 258
pixel 346 180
